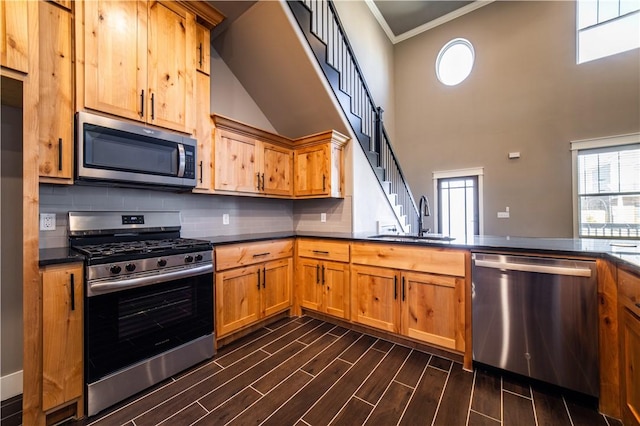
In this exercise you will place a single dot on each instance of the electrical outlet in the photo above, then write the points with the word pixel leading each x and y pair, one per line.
pixel 225 219
pixel 47 221
pixel 323 217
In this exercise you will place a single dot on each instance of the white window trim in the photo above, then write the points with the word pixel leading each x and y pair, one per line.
pixel 577 145
pixel 445 174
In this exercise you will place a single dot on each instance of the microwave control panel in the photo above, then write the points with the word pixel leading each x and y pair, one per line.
pixel 190 162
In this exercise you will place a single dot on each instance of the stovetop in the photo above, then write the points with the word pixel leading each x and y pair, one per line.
pixel 164 246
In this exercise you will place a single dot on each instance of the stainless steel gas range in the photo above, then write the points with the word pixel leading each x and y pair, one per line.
pixel 149 301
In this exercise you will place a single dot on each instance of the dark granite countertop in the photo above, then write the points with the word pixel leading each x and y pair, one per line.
pixel 53 256
pixel 625 252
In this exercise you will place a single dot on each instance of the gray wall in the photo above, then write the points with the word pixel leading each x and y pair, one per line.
pixel 525 94
pixel 11 241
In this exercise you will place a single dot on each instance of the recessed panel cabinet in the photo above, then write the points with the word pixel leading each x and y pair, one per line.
pixel 322 272
pixel 55 107
pixel 253 282
pixel 14 47
pixel 397 296
pixel 62 336
pixel 126 69
pixel 629 323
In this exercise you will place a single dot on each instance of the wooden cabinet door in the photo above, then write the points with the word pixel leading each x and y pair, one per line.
pixel 62 334
pixel 312 171
pixel 55 108
pixel 276 286
pixel 277 170
pixel 14 50
pixel 203 49
pixel 433 309
pixel 237 298
pixel 235 163
pixel 335 276
pixel 630 367
pixel 375 297
pixel 115 55
pixel 204 168
pixel 309 284
pixel 170 69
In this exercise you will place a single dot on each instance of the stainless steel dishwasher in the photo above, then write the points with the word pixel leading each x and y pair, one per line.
pixel 537 317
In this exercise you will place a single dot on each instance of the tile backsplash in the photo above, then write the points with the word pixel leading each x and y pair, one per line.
pixel 201 213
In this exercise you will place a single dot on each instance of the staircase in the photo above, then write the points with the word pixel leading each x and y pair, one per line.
pixel 321 26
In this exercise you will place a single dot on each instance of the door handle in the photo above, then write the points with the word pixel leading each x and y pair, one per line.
pixel 263 181
pixel 322 274
pixel 200 171
pixel 59 154
pixel 200 59
pixel 153 107
pixel 395 287
pixel 258 174
pixel 72 286
pixel 182 160
pixel 259 279
pixel 403 289
pixel 264 277
pixel 317 274
pixel 324 183
pixel 142 103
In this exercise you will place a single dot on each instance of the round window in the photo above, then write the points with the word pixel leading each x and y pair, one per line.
pixel 455 61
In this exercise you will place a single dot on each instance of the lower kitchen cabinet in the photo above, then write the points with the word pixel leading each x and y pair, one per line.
pixel 402 296
pixel 629 317
pixel 62 336
pixel 256 290
pixel 322 272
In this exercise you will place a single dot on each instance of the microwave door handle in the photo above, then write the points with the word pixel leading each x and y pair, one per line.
pixel 182 160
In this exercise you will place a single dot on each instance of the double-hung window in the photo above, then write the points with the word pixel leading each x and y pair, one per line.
pixel 607 27
pixel 607 183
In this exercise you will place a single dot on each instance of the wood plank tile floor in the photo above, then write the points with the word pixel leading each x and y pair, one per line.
pixel 303 371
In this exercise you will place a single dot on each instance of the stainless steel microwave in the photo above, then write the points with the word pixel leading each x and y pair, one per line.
pixel 110 151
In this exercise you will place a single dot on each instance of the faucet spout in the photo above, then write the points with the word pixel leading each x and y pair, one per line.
pixel 424 210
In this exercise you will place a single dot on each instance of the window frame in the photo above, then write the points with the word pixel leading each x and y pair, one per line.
pixel 587 144
pixel 477 172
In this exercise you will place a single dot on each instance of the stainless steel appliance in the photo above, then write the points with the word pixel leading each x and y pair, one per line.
pixel 537 317
pixel 118 152
pixel 149 301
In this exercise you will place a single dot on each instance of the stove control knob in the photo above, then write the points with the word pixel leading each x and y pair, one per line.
pixel 198 257
pixel 162 262
pixel 188 259
pixel 130 267
pixel 115 269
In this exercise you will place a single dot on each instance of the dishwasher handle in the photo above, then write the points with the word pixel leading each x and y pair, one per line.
pixel 542 269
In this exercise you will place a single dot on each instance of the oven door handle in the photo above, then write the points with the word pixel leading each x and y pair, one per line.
pixel 97 288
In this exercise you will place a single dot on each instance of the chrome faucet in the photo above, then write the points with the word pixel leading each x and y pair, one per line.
pixel 424 210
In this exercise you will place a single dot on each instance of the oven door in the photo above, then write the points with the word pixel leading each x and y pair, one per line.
pixel 129 326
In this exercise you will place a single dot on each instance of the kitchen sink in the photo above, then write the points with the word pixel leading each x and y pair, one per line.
pixel 413 238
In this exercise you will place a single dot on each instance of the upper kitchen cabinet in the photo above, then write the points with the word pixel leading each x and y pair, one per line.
pixel 250 161
pixel 55 109
pixel 136 61
pixel 14 16
pixel 319 165
pixel 203 49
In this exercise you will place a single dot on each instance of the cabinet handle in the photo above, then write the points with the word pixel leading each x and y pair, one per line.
pixel 258 174
pixel 263 181
pixel 261 254
pixel 264 277
pixel 200 49
pixel 200 171
pixel 320 252
pixel 637 305
pixel 395 287
pixel 403 289
pixel 324 183
pixel 317 274
pixel 142 103
pixel 259 279
pixel 59 154
pixel 323 274
pixel 153 106
pixel 72 285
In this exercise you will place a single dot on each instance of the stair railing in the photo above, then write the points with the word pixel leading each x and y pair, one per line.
pixel 319 21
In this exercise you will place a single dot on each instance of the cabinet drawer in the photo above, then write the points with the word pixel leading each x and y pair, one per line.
pixel 235 255
pixel 410 258
pixel 324 249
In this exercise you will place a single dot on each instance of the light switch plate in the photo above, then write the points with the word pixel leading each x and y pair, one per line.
pixel 47 221
pixel 503 215
pixel 225 219
pixel 323 217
